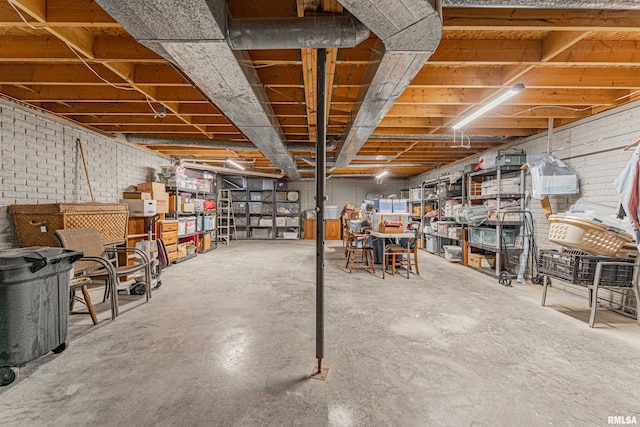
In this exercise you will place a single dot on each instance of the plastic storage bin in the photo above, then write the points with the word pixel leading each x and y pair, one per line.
pixel 255 207
pixel 578 268
pixel 432 244
pixel 383 205
pixel 239 207
pixel 290 208
pixel 34 305
pixel 331 212
pixel 208 222
pixel 261 233
pixel 400 205
pixel 476 235
pixel 453 253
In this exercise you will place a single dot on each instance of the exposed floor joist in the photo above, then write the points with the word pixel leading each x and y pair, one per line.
pixel 573 63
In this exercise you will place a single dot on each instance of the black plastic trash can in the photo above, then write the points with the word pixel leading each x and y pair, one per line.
pixel 34 305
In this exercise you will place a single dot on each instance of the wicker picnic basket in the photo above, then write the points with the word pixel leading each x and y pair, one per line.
pixel 36 223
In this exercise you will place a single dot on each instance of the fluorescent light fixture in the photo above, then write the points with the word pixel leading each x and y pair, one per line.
pixel 237 165
pixel 378 157
pixel 381 174
pixel 499 100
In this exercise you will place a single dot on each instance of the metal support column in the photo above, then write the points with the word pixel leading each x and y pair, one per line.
pixel 321 126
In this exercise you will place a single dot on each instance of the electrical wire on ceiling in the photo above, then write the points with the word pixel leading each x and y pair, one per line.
pixel 628 95
pixel 257 67
pixel 289 97
pixel 560 107
pixel 157 113
pixel 463 137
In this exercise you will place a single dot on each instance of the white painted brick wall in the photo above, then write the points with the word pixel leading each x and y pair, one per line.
pixel 341 191
pixel 603 134
pixel 41 163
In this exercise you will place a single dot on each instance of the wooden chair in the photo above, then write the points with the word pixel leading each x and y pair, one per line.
pixel 360 243
pixel 97 261
pixel 82 283
pixel 400 256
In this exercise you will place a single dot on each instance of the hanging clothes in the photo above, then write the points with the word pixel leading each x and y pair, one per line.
pixel 628 187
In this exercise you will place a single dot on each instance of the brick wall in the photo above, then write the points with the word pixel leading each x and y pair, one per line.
pixel 591 147
pixel 341 191
pixel 41 163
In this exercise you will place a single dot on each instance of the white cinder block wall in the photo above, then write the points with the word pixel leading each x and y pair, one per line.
pixel 591 147
pixel 341 191
pixel 42 164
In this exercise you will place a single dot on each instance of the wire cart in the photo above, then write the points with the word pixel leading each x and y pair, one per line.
pixel 518 251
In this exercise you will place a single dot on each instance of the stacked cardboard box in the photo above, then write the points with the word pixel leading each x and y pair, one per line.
pixel 147 191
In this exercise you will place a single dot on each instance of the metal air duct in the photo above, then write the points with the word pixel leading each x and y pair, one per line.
pixel 409 32
pixel 296 33
pixel 193 35
pixel 546 4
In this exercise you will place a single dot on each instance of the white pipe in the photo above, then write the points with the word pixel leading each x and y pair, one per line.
pixel 549 135
pixel 229 171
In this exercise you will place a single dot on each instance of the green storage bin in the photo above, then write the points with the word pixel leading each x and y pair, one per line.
pixel 517 158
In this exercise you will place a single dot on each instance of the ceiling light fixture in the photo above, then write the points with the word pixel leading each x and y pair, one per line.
pixel 237 165
pixel 499 100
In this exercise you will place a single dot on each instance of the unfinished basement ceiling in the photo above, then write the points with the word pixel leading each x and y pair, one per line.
pixel 573 63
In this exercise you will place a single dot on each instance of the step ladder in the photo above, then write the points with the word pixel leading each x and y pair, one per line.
pixel 226 220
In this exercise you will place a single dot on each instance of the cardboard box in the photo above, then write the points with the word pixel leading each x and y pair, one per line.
pixel 482 261
pixel 136 195
pixel 182 250
pixel 172 203
pixel 188 207
pixel 206 241
pixel 140 207
pixel 162 201
pixel 151 187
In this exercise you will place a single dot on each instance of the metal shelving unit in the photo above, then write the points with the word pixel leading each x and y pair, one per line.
pixel 261 211
pixel 498 174
pixel 436 193
pixel 199 218
pixel 287 215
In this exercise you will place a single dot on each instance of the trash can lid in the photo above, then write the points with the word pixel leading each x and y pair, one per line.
pixel 14 258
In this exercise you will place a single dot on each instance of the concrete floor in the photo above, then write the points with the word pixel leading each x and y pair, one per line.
pixel 229 339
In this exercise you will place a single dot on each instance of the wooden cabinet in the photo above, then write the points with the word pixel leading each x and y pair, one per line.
pixel 137 230
pixel 167 230
pixel 309 229
pixel 331 229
